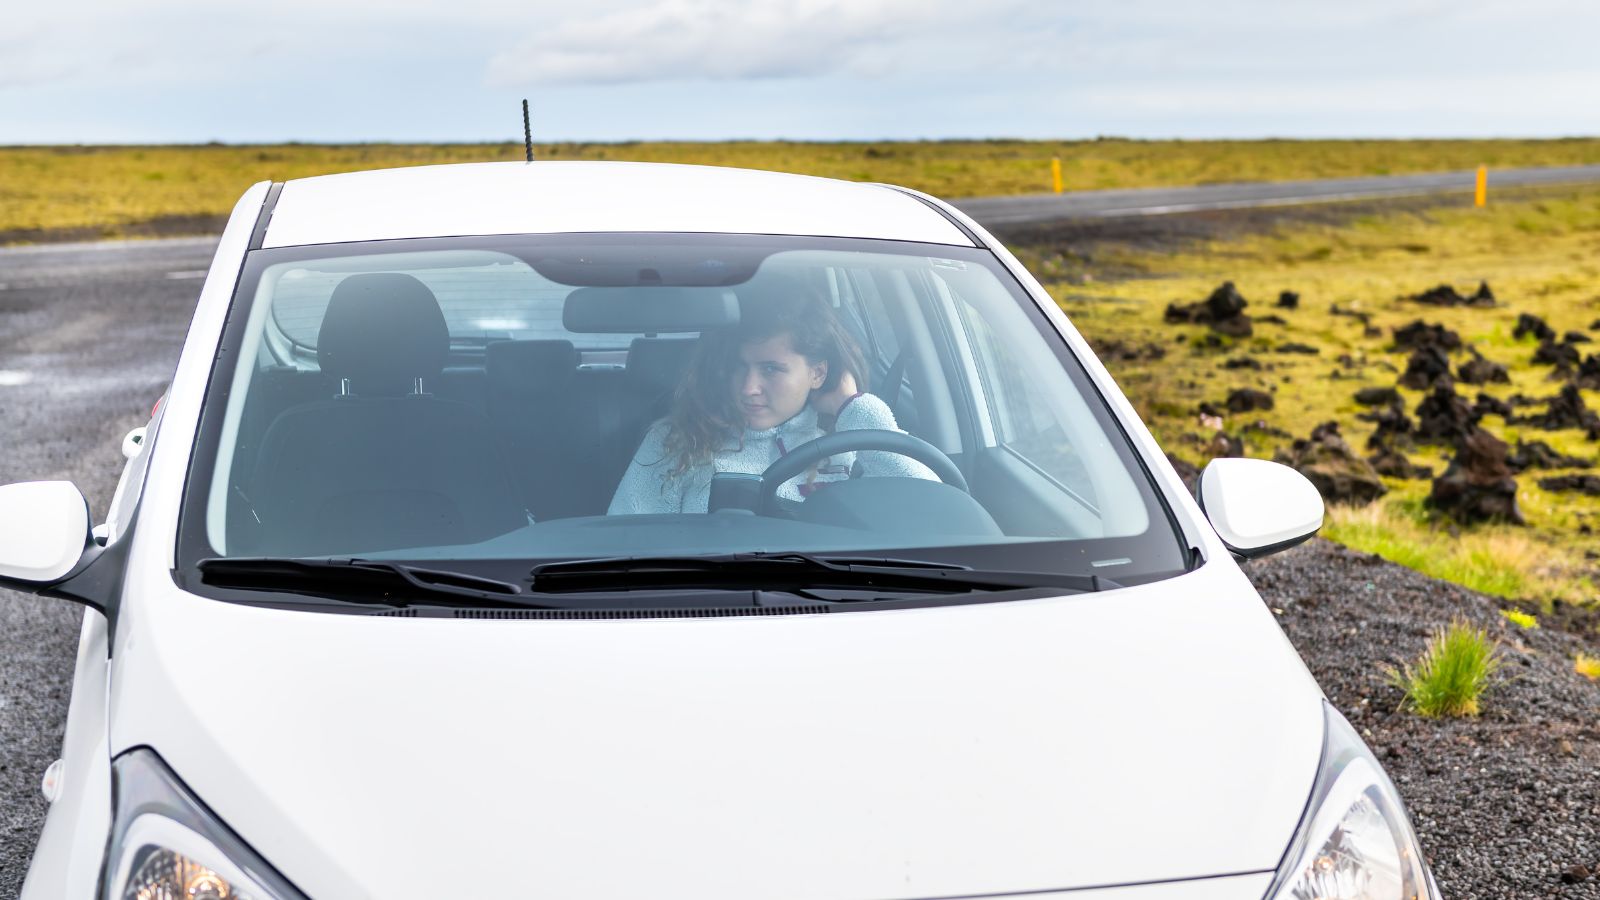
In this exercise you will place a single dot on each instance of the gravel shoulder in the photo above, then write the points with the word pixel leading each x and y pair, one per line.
pixel 1506 805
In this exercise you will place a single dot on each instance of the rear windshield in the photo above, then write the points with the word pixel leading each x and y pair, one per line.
pixel 484 296
pixel 546 398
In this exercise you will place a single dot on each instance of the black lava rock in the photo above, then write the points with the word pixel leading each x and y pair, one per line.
pixel 1582 484
pixel 1293 347
pixel 1365 318
pixel 1539 455
pixel 1445 417
pixel 1528 323
pixel 1479 370
pixel 1223 311
pixel 1128 351
pixel 1378 396
pixel 1563 356
pixel 1421 334
pixel 1486 405
pixel 1588 374
pixel 1428 366
pixel 1391 463
pixel 1566 410
pixel 1248 400
pixel 1478 485
pixel 1394 426
pixel 1329 463
pixel 1446 295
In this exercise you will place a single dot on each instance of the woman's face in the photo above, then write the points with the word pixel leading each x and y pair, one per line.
pixel 771 382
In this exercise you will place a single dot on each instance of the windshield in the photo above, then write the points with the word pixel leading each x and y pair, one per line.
pixel 562 397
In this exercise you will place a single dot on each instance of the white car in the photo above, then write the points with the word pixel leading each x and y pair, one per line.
pixel 368 619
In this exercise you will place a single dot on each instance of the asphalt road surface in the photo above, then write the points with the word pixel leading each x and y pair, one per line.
pixel 1034 208
pixel 89 336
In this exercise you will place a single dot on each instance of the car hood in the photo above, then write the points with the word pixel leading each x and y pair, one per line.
pixel 1160 732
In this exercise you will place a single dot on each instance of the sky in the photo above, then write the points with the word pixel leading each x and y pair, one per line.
pixel 180 71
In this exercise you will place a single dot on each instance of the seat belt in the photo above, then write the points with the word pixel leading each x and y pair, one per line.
pixel 891 383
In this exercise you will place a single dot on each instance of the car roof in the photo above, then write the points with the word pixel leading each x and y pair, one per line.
pixel 550 197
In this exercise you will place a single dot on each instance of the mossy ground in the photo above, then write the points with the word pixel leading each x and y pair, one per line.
pixel 89 192
pixel 1540 253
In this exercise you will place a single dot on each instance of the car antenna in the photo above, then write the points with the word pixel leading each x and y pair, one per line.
pixel 527 130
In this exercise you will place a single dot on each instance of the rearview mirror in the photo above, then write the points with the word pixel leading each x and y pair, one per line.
pixel 44 528
pixel 1258 506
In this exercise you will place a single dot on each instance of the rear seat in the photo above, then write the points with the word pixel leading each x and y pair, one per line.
pixel 278 388
pixel 570 430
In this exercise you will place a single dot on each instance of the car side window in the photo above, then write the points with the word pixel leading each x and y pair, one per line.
pixel 1024 421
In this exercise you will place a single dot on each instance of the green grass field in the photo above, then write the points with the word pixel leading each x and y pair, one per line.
pixel 112 191
pixel 1540 252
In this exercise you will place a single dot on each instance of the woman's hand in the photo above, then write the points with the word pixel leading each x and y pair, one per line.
pixel 828 404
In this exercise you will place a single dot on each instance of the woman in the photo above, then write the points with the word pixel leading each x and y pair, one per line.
pixel 787 374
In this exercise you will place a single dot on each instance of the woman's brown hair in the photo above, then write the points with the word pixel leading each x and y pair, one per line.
pixel 704 415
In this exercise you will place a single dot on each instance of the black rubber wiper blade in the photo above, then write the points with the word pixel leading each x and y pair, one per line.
pixel 365 581
pixel 776 571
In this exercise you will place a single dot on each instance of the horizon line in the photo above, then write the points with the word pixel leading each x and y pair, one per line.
pixel 623 142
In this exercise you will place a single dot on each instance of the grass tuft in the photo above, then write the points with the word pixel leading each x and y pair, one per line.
pixel 1520 619
pixel 1587 666
pixel 1452 674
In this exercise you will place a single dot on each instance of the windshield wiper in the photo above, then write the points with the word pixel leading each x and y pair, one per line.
pixel 792 571
pixel 385 583
pixel 368 581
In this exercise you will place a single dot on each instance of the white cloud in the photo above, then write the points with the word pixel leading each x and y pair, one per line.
pixel 724 40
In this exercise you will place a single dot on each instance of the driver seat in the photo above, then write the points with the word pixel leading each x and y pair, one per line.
pixel 381 465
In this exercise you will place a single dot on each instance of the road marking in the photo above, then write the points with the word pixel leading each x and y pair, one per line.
pixel 13 378
pixel 187 274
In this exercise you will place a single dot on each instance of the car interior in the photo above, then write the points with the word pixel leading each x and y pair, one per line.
pixel 395 425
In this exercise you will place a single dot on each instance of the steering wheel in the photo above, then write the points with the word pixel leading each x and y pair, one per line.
pixel 810 453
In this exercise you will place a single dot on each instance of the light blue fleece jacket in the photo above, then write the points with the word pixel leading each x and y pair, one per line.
pixel 649 487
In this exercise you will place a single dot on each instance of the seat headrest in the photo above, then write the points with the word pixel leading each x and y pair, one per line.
pixel 528 367
pixel 383 331
pixel 659 363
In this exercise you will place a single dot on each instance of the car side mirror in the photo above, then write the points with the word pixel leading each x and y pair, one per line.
pixel 1258 506
pixel 44 529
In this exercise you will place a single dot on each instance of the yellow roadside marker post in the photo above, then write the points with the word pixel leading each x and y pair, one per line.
pixel 1055 172
pixel 1482 198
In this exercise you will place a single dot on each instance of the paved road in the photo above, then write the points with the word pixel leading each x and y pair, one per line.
pixel 89 334
pixel 1034 208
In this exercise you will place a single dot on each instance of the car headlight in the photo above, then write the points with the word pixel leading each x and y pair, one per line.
pixel 166 845
pixel 1355 841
